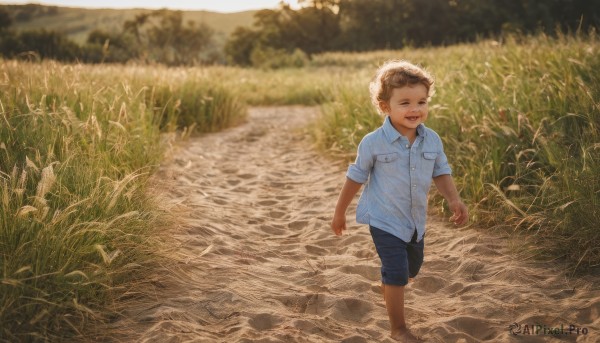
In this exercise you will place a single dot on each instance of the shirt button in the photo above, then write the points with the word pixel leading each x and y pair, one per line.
pixel 407 146
pixel 414 186
pixel 413 168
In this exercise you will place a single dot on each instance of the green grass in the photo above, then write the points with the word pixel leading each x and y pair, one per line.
pixel 77 147
pixel 257 87
pixel 521 125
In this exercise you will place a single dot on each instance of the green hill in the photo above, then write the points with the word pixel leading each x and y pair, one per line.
pixel 78 22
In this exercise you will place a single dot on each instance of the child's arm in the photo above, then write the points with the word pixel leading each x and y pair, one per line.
pixel 348 192
pixel 446 187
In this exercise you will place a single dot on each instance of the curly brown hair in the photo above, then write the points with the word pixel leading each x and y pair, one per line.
pixel 397 74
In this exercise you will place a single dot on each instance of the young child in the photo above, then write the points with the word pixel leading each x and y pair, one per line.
pixel 397 162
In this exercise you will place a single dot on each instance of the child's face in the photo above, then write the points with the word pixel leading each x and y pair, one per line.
pixel 407 108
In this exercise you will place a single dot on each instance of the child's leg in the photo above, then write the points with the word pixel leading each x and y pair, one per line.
pixel 394 303
pixel 410 280
pixel 394 276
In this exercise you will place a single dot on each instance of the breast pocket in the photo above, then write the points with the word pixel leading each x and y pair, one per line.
pixel 385 162
pixel 428 162
pixel 387 158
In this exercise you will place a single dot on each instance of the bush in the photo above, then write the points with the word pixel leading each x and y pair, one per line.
pixel 43 43
pixel 270 58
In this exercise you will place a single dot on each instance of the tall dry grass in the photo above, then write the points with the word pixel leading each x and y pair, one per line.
pixel 260 87
pixel 520 120
pixel 77 147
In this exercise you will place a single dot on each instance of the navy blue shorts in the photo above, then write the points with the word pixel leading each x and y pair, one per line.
pixel 399 260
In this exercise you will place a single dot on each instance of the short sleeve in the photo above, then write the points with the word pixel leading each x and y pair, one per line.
pixel 361 168
pixel 441 166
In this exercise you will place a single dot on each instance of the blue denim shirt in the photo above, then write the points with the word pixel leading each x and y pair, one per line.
pixel 398 177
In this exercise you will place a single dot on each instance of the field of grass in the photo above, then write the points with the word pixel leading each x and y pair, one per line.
pixel 520 120
pixel 77 147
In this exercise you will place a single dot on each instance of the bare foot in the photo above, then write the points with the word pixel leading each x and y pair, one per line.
pixel 405 336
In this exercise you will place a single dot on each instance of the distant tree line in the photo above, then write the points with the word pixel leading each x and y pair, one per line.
pixel 288 37
pixel 361 25
pixel 159 36
pixel 30 11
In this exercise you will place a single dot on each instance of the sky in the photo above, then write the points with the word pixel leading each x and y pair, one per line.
pixel 210 5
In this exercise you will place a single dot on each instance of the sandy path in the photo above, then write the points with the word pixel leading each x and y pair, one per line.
pixel 259 262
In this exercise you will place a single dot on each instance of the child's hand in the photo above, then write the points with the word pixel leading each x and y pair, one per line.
pixel 460 213
pixel 338 224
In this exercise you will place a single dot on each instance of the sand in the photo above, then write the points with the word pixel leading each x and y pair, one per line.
pixel 257 261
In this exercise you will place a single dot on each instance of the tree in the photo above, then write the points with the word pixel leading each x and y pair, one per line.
pixel 297 33
pixel 311 29
pixel 374 24
pixel 102 46
pixel 240 45
pixel 46 44
pixel 161 36
pixel 266 33
pixel 6 19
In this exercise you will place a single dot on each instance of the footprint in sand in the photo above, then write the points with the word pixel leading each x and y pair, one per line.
pixel 316 250
pixel 429 284
pixel 264 321
pixel 246 176
pixel 276 214
pixel 273 229
pixel 369 271
pixel 296 225
pixel 267 202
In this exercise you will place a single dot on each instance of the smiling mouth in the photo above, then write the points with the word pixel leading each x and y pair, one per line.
pixel 412 118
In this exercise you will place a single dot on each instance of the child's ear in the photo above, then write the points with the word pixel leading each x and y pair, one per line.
pixel 384 106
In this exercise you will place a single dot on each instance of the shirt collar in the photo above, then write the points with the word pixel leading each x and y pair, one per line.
pixel 392 134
